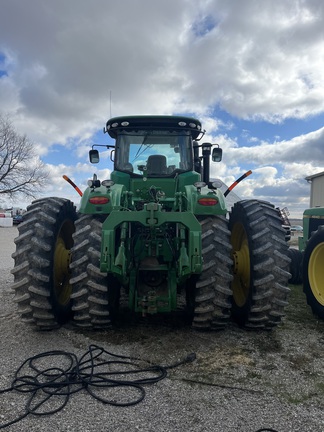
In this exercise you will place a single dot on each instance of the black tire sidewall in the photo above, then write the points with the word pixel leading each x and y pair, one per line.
pixel 296 269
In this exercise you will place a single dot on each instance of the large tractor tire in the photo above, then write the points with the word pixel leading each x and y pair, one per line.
pixel 296 267
pixel 313 272
pixel 213 289
pixel 95 296
pixel 261 264
pixel 42 258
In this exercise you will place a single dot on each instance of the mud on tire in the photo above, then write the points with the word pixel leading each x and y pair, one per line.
pixel 41 269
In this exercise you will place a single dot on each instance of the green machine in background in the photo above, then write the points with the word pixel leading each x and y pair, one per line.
pixel 310 262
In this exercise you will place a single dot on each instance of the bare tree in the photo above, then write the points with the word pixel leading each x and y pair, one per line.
pixel 21 171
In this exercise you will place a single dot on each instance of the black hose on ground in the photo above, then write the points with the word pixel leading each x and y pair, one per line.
pixel 97 371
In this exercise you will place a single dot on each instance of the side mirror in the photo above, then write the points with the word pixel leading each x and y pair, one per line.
pixel 94 156
pixel 217 154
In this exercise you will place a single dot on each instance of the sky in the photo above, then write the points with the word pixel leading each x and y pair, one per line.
pixel 252 71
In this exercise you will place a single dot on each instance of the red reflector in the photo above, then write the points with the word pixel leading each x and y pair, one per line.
pixel 208 201
pixel 99 200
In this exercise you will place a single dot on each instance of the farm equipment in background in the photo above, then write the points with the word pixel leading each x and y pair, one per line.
pixel 293 254
pixel 307 264
pixel 156 231
pixel 284 213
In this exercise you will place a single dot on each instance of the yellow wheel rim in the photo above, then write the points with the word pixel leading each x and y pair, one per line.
pixel 316 273
pixel 62 259
pixel 241 257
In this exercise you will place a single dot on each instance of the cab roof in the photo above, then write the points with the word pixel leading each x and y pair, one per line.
pixel 156 122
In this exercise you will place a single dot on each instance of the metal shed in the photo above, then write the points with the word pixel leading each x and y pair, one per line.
pixel 317 189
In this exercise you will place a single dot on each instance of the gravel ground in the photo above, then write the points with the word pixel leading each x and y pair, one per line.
pixel 241 380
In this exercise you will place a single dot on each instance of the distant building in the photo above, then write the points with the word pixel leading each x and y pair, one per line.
pixel 317 189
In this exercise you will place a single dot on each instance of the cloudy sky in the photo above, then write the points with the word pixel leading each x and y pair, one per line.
pixel 251 70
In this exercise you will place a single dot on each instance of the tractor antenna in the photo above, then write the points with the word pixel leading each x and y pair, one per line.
pixel 110 102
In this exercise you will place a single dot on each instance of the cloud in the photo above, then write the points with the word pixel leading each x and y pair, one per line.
pixel 66 66
pixel 254 63
pixel 305 149
pixel 278 169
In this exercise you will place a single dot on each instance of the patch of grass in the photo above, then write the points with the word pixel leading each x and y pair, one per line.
pixel 298 312
pixel 251 375
pixel 302 398
pixel 320 387
pixel 220 359
pixel 298 361
pixel 268 343
pixel 295 399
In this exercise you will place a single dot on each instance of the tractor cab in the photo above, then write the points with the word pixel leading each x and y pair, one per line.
pixel 153 146
pixel 158 147
pixel 153 154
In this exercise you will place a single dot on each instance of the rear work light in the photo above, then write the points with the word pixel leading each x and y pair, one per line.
pixel 98 200
pixel 208 201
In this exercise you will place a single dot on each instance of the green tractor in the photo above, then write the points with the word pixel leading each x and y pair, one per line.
pixel 307 262
pixel 156 233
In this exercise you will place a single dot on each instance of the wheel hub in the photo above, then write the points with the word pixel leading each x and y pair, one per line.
pixel 62 259
pixel 316 272
pixel 241 269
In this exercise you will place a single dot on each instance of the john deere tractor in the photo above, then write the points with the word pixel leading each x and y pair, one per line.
pixel 156 231
pixel 307 264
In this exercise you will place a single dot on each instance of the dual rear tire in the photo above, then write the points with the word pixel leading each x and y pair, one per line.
pixel 51 288
pixel 261 265
pixel 42 259
pixel 245 268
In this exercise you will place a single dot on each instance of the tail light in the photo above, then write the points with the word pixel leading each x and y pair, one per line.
pixel 99 200
pixel 208 201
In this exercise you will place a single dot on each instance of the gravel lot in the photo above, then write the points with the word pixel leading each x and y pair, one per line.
pixel 241 380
